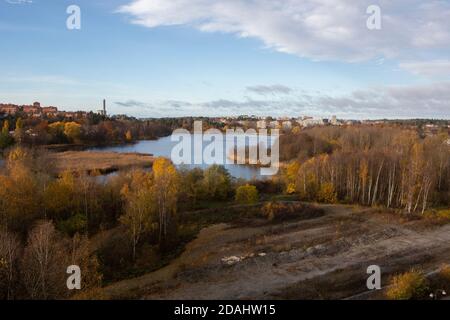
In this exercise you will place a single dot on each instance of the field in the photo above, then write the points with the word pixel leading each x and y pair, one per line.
pixel 320 257
pixel 103 162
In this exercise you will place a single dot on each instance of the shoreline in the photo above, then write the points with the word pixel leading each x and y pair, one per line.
pixel 102 162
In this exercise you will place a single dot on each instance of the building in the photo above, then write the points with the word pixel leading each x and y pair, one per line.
pixel 287 125
pixel 261 124
pixel 310 122
pixel 334 121
pixel 9 109
pixel 274 124
pixel 32 110
pixel 50 111
pixel 69 115
pixel 103 112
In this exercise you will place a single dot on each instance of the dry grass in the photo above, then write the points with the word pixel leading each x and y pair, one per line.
pixel 104 162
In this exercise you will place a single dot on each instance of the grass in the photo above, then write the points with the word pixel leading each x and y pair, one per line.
pixel 409 285
pixel 103 162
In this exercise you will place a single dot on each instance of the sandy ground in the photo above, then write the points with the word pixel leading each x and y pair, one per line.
pixel 320 258
pixel 102 161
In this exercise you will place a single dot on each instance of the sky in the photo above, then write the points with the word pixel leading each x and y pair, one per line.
pixel 161 58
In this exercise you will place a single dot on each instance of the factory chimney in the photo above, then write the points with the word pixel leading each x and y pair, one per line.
pixel 104 107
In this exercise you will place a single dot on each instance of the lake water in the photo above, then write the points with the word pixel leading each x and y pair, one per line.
pixel 163 148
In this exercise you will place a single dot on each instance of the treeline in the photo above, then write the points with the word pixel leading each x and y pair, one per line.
pixel 112 228
pixel 92 130
pixel 372 166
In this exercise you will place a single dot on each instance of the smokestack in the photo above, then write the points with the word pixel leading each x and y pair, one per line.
pixel 104 107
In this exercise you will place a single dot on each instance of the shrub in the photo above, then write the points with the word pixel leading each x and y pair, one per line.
pixel 444 277
pixel 410 285
pixel 279 211
pixel 444 214
pixel 327 193
pixel 73 225
pixel 5 140
pixel 247 194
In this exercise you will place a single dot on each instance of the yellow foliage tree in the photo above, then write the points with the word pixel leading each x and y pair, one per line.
pixel 166 188
pixel 128 136
pixel 247 194
pixel 327 193
pixel 139 208
pixel 72 130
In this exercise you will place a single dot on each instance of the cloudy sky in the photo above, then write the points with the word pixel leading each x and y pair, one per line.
pixel 155 58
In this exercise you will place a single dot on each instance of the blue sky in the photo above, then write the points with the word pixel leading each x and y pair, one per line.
pixel 154 58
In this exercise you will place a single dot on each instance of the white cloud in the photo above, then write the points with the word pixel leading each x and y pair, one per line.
pixel 414 101
pixel 316 29
pixel 428 68
pixel 270 90
pixel 19 1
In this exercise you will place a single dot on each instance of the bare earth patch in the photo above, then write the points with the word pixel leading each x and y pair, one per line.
pixel 320 258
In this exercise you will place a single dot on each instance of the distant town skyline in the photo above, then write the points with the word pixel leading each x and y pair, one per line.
pixel 154 58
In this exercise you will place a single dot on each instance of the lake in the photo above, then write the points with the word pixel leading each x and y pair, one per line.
pixel 163 148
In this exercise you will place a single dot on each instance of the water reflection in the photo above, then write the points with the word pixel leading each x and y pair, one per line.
pixel 163 148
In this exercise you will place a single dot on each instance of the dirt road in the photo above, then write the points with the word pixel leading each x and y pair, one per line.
pixel 320 258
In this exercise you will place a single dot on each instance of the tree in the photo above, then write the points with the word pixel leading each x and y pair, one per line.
pixel 5 127
pixel 20 191
pixel 166 189
pixel 139 207
pixel 5 139
pixel 247 194
pixel 60 198
pixel 217 182
pixel 191 188
pixel 290 176
pixel 18 132
pixel 72 130
pixel 326 193
pixel 56 131
pixel 44 263
pixel 9 261
pixel 128 136
pixel 46 258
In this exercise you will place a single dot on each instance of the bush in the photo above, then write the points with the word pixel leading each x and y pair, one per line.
pixel 5 140
pixel 247 194
pixel 444 277
pixel 73 225
pixel 444 214
pixel 279 211
pixel 327 193
pixel 409 285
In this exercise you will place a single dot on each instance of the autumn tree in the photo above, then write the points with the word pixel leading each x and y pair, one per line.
pixel 139 207
pixel 217 182
pixel 10 248
pixel 19 131
pixel 191 187
pixel 44 263
pixel 166 189
pixel 72 130
pixel 128 136
pixel 246 194
pixel 326 193
pixel 5 138
pixel 46 258
pixel 20 191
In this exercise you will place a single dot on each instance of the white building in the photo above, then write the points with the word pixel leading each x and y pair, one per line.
pixel 261 124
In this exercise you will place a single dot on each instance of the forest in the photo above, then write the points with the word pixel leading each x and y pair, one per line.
pixel 93 130
pixel 372 166
pixel 137 221
pixel 114 229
